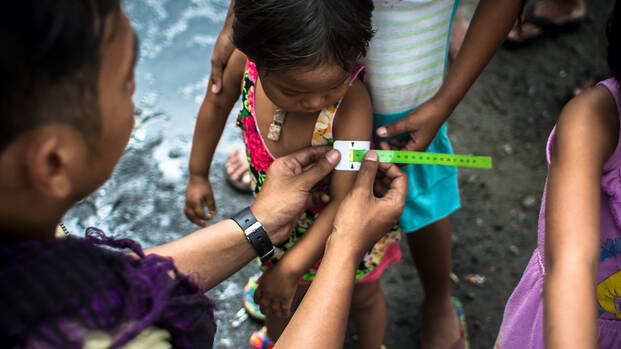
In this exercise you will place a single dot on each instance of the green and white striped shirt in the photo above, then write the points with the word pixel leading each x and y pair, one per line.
pixel 407 57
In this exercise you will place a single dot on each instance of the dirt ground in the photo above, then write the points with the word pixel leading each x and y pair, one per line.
pixel 507 114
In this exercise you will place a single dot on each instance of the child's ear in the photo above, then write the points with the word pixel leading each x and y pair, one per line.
pixel 48 166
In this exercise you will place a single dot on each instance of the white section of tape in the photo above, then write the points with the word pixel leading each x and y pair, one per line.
pixel 344 147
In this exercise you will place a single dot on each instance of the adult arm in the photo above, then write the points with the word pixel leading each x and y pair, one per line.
pixel 584 141
pixel 214 253
pixel 321 319
pixel 490 24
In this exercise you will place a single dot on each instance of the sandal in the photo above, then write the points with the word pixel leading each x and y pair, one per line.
pixel 259 339
pixel 462 342
pixel 239 184
pixel 546 25
pixel 251 307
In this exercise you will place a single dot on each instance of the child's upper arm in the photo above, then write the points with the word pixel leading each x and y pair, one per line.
pixel 353 121
pixel 231 82
pixel 587 134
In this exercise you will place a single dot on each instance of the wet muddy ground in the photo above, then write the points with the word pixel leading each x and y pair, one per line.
pixel 507 114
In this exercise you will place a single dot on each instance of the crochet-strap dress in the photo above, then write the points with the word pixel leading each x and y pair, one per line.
pixel 385 252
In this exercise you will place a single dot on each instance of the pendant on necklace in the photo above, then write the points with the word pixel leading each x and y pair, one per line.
pixel 276 126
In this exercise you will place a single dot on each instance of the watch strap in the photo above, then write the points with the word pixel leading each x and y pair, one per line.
pixel 255 233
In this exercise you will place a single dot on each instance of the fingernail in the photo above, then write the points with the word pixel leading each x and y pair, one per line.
pixel 333 156
pixel 371 156
pixel 382 132
pixel 214 89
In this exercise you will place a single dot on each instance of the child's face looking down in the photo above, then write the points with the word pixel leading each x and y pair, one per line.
pixel 304 90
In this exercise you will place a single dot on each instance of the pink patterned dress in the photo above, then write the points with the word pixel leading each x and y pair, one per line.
pixel 384 252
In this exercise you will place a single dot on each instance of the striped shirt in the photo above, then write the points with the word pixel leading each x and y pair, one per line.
pixel 407 57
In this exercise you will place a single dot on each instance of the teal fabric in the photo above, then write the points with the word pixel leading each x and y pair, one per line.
pixel 432 189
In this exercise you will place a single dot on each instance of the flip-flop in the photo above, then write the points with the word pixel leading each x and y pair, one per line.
pixel 462 342
pixel 251 307
pixel 259 339
pixel 547 26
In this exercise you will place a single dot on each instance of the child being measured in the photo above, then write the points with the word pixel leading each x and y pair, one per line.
pixel 568 296
pixel 300 85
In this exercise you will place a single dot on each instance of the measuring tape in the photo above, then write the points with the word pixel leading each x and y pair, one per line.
pixel 413 157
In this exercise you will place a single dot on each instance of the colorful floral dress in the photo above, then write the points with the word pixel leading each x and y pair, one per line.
pixel 384 252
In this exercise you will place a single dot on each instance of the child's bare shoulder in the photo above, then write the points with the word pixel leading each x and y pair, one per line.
pixel 589 119
pixel 354 118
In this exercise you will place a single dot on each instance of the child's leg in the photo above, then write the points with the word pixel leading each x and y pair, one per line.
pixel 431 250
pixel 275 325
pixel 369 311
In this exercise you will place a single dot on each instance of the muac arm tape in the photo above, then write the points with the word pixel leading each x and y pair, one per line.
pixel 352 154
pixel 346 148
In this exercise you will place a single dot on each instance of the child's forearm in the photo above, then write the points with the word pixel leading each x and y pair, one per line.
pixel 209 126
pixel 490 24
pixel 569 297
pixel 310 247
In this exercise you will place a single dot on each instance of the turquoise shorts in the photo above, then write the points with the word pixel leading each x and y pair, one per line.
pixel 432 189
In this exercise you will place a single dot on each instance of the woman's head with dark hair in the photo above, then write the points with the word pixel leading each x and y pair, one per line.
pixel 51 55
pixel 613 33
pixel 285 34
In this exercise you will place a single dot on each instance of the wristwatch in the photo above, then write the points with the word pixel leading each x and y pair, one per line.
pixel 256 235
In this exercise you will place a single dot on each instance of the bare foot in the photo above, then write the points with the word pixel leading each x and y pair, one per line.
pixel 441 327
pixel 458 33
pixel 557 11
pixel 237 169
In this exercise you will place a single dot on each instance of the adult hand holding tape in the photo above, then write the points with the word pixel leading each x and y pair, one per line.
pixel 352 154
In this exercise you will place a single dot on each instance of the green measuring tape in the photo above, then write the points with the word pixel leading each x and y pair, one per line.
pixel 413 157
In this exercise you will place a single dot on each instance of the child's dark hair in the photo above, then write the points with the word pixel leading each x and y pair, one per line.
pixel 283 34
pixel 50 64
pixel 613 31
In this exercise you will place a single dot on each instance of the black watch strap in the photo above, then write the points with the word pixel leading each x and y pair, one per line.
pixel 256 235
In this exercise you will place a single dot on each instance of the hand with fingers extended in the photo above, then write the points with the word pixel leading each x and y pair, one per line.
pixel 286 191
pixel 421 126
pixel 276 291
pixel 198 194
pixel 363 217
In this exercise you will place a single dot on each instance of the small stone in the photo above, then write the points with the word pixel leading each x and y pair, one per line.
pixel 507 148
pixel 471 179
pixel 471 296
pixel 514 250
pixel 479 221
pixel 475 279
pixel 531 91
pixel 454 278
pixel 562 73
pixel 529 201
pixel 174 153
pixel 492 268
